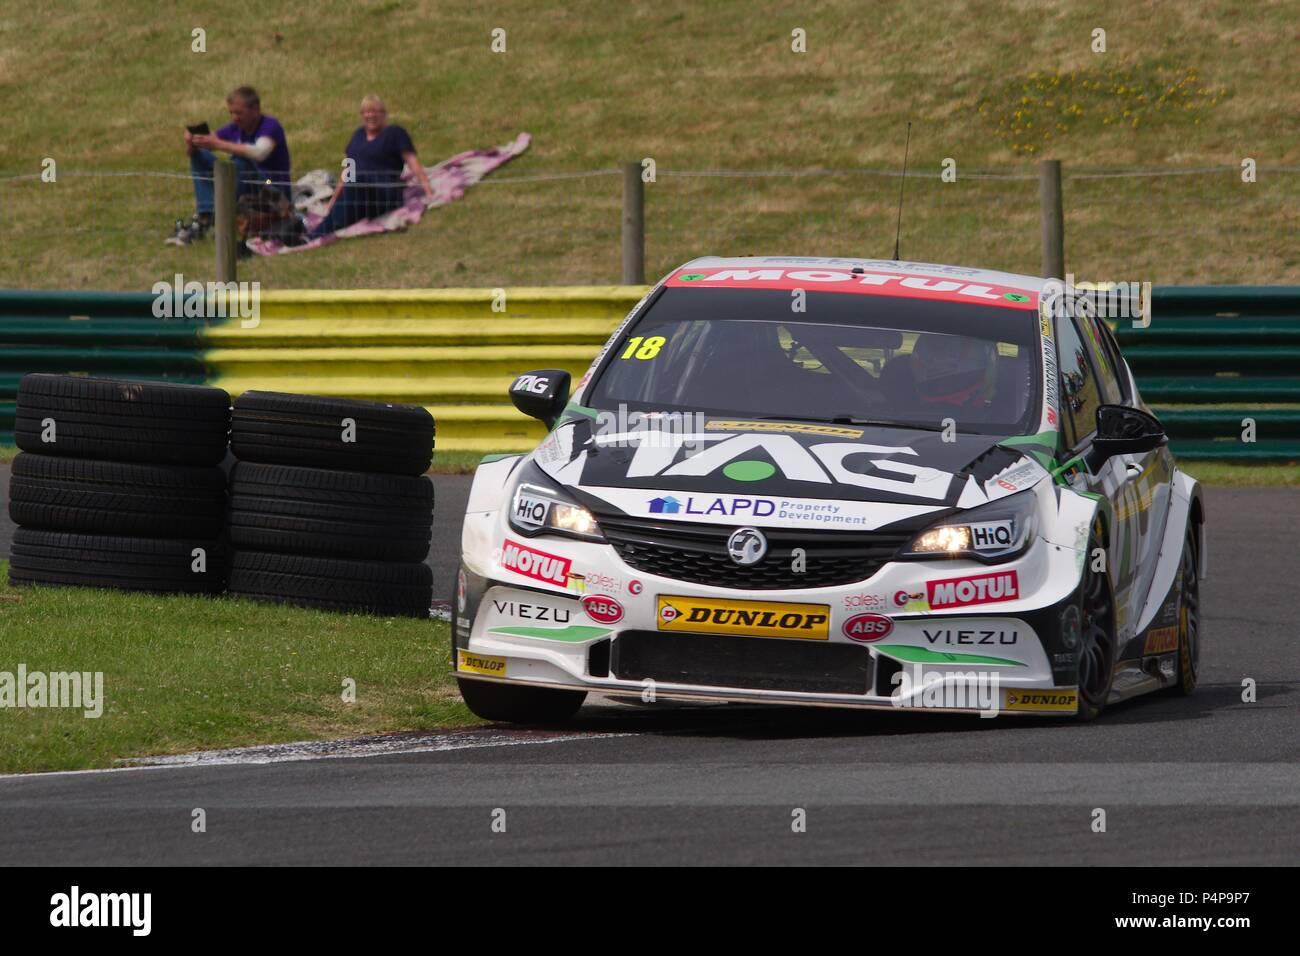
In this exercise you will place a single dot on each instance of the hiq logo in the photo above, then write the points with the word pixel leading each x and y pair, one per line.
pixel 992 534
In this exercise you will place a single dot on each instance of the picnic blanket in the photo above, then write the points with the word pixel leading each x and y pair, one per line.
pixel 449 180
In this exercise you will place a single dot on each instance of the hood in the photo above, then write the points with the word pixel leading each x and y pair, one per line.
pixel 782 472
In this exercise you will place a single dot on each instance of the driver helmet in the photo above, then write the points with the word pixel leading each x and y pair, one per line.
pixel 954 369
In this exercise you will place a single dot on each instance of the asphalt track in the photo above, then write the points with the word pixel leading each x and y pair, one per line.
pixel 1205 780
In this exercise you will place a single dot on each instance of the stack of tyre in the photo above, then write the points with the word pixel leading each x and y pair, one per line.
pixel 117 485
pixel 330 506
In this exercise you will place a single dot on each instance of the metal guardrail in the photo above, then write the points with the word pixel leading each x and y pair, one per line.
pixel 1212 356
pixel 1216 359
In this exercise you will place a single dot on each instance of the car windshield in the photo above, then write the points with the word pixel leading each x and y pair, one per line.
pixel 844 357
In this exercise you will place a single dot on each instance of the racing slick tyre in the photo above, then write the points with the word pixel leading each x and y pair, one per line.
pixel 116 498
pixel 1189 618
pixel 159 422
pixel 277 429
pixel 341 514
pixel 1097 633
pixel 384 588
pixel 519 705
pixel 127 564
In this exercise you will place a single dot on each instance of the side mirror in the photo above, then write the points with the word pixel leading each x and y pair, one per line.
pixel 1122 430
pixel 542 394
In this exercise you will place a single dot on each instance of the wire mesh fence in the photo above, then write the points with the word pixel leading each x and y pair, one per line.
pixel 106 229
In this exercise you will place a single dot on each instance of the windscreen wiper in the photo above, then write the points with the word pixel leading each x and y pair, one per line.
pixel 847 420
pixel 850 420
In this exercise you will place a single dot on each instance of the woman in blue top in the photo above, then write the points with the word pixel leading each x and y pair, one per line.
pixel 379 153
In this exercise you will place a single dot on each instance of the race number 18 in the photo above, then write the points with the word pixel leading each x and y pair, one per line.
pixel 643 348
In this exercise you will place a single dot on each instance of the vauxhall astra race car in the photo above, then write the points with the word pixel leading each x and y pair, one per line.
pixel 835 482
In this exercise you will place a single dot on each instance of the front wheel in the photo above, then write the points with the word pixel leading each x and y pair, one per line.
pixel 516 704
pixel 1097 638
pixel 1189 618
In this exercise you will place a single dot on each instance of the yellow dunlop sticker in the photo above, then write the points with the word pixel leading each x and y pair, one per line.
pixel 831 431
pixel 809 622
pixel 1062 701
pixel 1162 640
pixel 480 664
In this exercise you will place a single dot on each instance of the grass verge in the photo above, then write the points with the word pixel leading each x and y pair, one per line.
pixel 694 87
pixel 455 462
pixel 189 673
pixel 1241 476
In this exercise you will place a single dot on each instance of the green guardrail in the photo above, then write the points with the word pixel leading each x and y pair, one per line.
pixel 1215 359
pixel 1211 356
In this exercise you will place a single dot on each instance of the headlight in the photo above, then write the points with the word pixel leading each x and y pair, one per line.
pixel 539 507
pixel 993 532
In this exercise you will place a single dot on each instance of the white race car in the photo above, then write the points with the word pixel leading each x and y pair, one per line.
pixel 835 482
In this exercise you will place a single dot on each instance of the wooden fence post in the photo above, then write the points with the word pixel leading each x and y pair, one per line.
pixel 633 225
pixel 223 218
pixel 1049 195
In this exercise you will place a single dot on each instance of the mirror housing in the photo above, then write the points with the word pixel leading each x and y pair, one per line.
pixel 542 394
pixel 1122 430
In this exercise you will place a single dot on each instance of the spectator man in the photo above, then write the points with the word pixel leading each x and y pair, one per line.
pixel 257 143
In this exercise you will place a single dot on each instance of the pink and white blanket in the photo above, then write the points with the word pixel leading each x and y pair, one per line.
pixel 449 180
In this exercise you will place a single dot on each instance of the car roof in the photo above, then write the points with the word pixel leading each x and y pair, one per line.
pixel 926 269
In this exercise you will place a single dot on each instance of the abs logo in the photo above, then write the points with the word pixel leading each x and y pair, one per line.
pixel 867 627
pixel 602 609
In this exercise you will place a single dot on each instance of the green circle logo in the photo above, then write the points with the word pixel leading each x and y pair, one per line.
pixel 694 277
pixel 1015 297
pixel 749 470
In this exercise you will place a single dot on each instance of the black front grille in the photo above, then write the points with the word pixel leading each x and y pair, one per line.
pixel 698 553
pixel 745 663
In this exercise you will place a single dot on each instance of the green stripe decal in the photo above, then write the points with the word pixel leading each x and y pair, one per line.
pixel 1040 447
pixel 923 655
pixel 573 633
pixel 573 408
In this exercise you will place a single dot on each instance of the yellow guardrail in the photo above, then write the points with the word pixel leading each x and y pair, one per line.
pixel 455 351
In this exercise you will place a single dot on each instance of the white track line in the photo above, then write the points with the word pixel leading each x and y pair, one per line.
pixel 376 746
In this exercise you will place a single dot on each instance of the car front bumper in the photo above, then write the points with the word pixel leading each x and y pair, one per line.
pixel 947 636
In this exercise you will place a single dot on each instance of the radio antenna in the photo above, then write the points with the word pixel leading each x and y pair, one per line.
pixel 898 229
